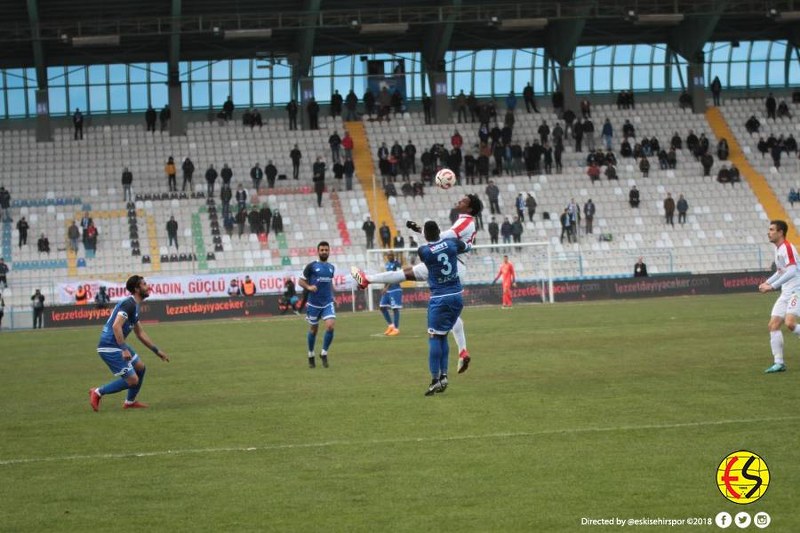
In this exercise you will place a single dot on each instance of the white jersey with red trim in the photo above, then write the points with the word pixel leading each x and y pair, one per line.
pixel 463 229
pixel 785 256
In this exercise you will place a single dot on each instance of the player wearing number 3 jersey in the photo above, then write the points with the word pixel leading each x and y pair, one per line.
pixel 463 230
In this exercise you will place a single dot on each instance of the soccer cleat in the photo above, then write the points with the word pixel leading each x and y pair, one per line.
pixel 389 329
pixel 443 383
pixel 393 332
pixel 134 405
pixel 312 363
pixel 360 276
pixel 435 386
pixel 324 361
pixel 777 367
pixel 463 361
pixel 94 399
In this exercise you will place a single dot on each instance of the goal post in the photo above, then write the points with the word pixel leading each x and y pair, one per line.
pixel 533 262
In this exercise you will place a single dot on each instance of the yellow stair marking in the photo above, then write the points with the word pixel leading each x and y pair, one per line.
pixel 152 236
pixel 365 170
pixel 766 196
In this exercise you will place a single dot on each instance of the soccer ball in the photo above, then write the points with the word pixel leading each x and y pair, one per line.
pixel 445 178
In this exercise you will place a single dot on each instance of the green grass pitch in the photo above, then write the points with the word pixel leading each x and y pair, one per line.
pixel 608 409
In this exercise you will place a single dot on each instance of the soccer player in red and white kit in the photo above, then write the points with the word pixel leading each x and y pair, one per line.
pixel 463 229
pixel 786 279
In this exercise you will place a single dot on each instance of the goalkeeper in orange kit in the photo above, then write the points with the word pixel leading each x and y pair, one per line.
pixel 509 280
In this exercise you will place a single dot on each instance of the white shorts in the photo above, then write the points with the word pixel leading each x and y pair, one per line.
pixel 421 272
pixel 786 301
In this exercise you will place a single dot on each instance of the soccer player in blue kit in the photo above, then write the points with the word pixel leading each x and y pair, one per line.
pixel 392 298
pixel 317 279
pixel 123 362
pixel 444 308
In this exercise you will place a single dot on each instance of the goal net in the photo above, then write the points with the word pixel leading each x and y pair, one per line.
pixel 533 263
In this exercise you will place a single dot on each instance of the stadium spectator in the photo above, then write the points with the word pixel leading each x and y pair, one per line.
pixel 77 123
pixel 397 102
pixel 685 100
pixel 723 150
pixel 37 303
pixel 776 152
pixel 170 171
pixel 336 104
pixel 589 209
pixel 228 223
pixel 349 169
pixel 544 132
pixel 644 166
pixel 517 230
pixel 254 220
pixel 289 298
pixel 233 288
pixel 511 102
pixel 256 175
pixel 43 245
pixel 225 196
pixel 127 180
pixel 494 231
pixel 172 232
pixel 461 106
pixel 82 295
pixel 335 142
pixel 783 111
pixel 369 104
pixel 73 235
pixel 188 171
pixel 164 116
pixel 241 219
pixel 577 134
pixel 669 210
pixel 384 103
pixel 707 160
pixel 633 197
pixel 527 96
pixel 277 222
pixel 312 108
pixel 351 104
pixel 241 196
pixel 586 108
pixel 752 125
pixel 566 226
pixel 724 175
pixel 265 214
pixel 3 273
pixel 530 205
pixel 369 232
pixel 22 228
pixel 735 177
pixel 101 299
pixel 211 179
pixel 226 174
pixel 348 145
pixel 716 90
pixel 493 193
pixel 611 172
pixel 427 106
pixel 640 269
pixel 227 108
pixel 683 207
pixel 291 109
pixel 150 118
pixel 607 133
pixel 90 239
pixel 5 205
pixel 318 172
pixel 272 172
pixel 386 235
pixel 506 232
pixel 295 155
pixel 770 104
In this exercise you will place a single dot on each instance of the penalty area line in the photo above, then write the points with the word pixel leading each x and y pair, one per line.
pixel 382 442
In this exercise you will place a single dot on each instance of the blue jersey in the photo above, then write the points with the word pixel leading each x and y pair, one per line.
pixel 129 309
pixel 392 266
pixel 320 274
pixel 441 259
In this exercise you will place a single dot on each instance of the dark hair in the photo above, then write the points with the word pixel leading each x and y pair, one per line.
pixel 431 230
pixel 323 243
pixel 780 225
pixel 133 283
pixel 475 204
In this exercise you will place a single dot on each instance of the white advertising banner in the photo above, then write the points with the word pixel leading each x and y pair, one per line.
pixel 196 286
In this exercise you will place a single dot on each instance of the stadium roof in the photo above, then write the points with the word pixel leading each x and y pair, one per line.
pixel 115 31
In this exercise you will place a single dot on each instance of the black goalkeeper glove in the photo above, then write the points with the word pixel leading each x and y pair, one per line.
pixel 413 226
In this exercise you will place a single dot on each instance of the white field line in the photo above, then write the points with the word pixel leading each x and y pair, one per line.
pixel 332 443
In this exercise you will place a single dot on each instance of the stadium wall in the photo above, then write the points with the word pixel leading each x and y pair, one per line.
pixel 485 294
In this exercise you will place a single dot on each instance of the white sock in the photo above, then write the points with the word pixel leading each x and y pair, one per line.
pixel 459 336
pixel 395 276
pixel 311 355
pixel 323 353
pixel 796 330
pixel 776 342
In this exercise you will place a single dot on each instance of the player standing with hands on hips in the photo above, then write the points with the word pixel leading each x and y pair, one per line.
pixel 785 278
pixel 121 359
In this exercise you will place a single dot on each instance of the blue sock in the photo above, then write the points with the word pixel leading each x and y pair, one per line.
pixel 396 313
pixel 133 391
pixel 327 340
pixel 385 312
pixel 312 338
pixel 434 356
pixel 113 387
pixel 445 347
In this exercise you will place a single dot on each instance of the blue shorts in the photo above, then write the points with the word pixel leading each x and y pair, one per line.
pixel 314 314
pixel 393 299
pixel 443 311
pixel 113 358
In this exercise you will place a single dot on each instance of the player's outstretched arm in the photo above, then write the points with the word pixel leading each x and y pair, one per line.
pixel 145 338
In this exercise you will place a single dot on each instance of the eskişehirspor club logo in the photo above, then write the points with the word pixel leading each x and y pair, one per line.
pixel 743 477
